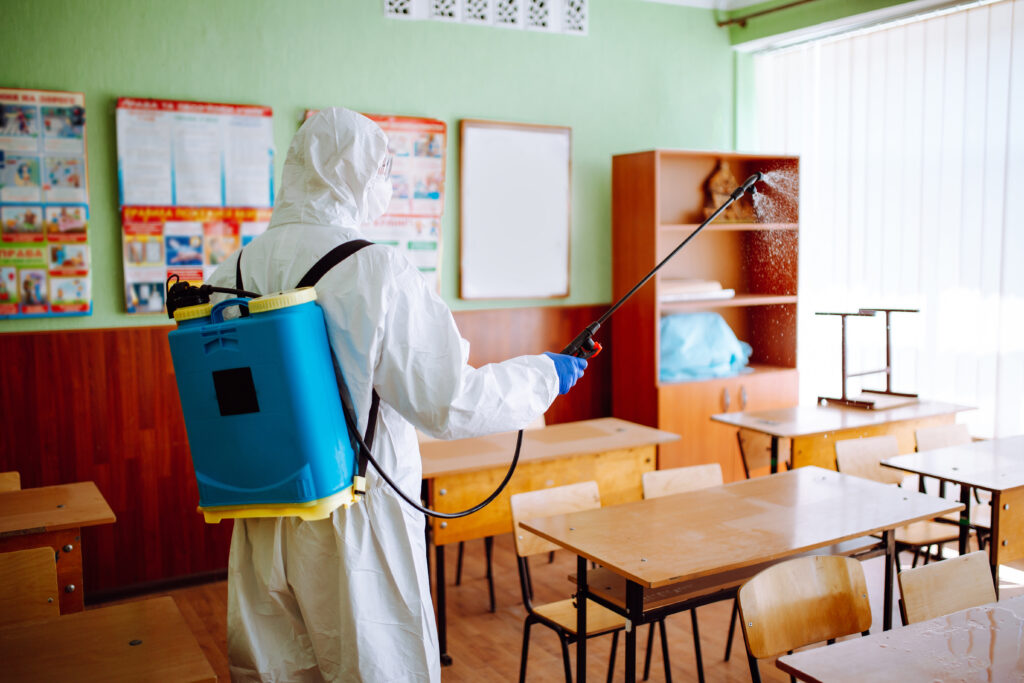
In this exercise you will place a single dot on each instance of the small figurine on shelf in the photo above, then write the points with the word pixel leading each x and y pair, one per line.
pixel 717 189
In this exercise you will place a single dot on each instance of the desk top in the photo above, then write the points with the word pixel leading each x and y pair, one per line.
pixel 660 541
pixel 555 441
pixel 95 645
pixel 50 508
pixel 976 644
pixel 811 420
pixel 994 465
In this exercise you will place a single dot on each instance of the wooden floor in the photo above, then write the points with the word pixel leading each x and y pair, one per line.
pixel 486 646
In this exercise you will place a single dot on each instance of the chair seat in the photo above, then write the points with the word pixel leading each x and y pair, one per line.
pixel 926 533
pixel 600 619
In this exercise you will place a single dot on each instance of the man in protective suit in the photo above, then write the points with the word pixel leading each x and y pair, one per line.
pixel 347 598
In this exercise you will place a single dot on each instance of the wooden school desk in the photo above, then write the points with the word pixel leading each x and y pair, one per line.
pixel 995 465
pixel 680 539
pixel 54 516
pixel 814 430
pixel 146 640
pixel 459 474
pixel 975 644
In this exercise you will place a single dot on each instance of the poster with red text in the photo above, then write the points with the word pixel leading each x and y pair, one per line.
pixel 412 223
pixel 195 181
pixel 190 242
pixel 44 204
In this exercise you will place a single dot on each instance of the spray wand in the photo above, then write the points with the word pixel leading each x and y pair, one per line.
pixel 584 346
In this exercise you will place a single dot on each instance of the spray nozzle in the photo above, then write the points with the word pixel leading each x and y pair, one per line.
pixel 746 186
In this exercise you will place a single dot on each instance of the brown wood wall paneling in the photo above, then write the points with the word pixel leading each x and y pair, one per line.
pixel 102 406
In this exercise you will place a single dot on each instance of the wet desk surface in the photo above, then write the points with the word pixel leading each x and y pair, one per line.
pixel 980 643
pixel 555 441
pixel 993 465
pixel 811 420
pixel 146 640
pixel 51 508
pixel 736 525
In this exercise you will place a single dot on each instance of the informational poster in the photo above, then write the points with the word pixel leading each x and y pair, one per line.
pixel 188 241
pixel 44 205
pixel 412 223
pixel 196 181
pixel 413 219
pixel 172 153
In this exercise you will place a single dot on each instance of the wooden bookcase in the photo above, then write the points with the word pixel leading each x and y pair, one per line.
pixel 657 200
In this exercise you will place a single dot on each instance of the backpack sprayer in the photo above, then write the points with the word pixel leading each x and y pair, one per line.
pixel 271 425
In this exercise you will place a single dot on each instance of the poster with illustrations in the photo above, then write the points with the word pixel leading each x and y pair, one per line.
pixel 44 204
pixel 196 181
pixel 412 223
pixel 187 241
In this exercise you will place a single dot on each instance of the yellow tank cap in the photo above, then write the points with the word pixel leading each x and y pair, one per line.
pixel 291 297
pixel 192 312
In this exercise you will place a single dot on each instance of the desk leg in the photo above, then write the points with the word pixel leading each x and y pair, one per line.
pixel 581 619
pixel 889 537
pixel 775 454
pixel 634 618
pixel 965 517
pixel 442 608
pixel 994 539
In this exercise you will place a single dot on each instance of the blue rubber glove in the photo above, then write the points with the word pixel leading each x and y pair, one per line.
pixel 569 369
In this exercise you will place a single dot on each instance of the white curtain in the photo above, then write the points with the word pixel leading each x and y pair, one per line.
pixel 911 141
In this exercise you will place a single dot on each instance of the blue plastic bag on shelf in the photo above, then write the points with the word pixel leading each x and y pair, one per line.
pixel 700 346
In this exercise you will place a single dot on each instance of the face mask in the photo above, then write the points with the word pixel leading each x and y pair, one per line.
pixel 378 196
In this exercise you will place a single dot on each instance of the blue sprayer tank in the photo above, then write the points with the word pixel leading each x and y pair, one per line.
pixel 262 410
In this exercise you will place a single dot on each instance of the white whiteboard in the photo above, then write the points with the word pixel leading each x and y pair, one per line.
pixel 515 219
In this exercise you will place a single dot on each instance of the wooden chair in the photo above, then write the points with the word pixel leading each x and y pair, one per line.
pixel 941 436
pixel 488 540
pixel 862 458
pixel 28 585
pixel 802 601
pixel 756 451
pixel 559 616
pixel 665 483
pixel 10 481
pixel 946 587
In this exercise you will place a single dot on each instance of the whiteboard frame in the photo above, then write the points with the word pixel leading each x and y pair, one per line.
pixel 464 226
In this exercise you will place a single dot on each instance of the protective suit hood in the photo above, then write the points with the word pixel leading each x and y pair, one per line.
pixel 331 163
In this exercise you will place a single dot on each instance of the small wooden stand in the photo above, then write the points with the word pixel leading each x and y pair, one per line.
pixel 879 402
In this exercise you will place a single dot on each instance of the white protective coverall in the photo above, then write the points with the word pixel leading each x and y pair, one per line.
pixel 348 598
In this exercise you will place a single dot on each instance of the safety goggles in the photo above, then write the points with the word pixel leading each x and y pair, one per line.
pixel 384 170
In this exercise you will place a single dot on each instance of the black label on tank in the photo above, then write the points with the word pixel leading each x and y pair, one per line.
pixel 236 393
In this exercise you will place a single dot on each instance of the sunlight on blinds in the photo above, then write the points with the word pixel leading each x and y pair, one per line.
pixel 911 141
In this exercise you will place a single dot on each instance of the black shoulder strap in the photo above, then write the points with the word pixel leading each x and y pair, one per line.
pixel 319 269
pixel 329 260
pixel 244 310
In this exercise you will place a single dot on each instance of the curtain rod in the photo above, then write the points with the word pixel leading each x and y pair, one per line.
pixel 742 20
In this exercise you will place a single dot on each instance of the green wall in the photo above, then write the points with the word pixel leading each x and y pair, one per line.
pixel 647 75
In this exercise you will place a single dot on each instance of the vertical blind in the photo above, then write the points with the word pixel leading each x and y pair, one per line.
pixel 911 139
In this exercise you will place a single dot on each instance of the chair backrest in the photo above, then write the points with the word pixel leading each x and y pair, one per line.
pixel 10 481
pixel 755 449
pixel 681 479
pixel 940 436
pixel 860 457
pixel 803 601
pixel 941 588
pixel 28 585
pixel 559 500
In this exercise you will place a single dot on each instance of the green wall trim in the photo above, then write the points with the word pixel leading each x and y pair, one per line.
pixel 647 75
